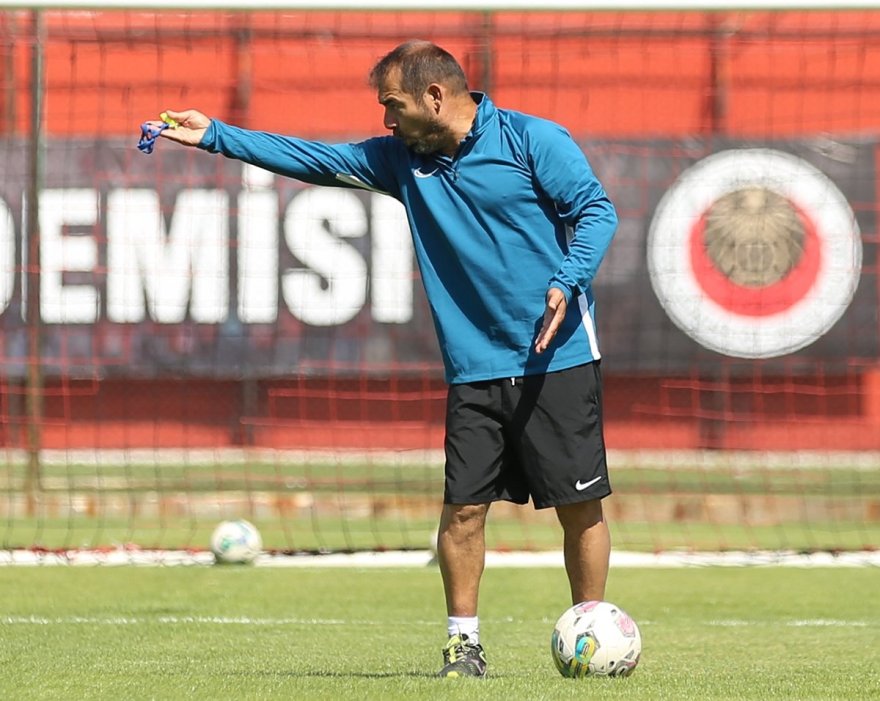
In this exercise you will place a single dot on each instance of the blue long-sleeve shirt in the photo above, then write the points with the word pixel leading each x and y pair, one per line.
pixel 517 210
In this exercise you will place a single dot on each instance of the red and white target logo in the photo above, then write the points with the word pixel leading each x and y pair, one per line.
pixel 754 253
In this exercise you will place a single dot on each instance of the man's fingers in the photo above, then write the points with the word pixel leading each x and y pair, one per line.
pixel 178 117
pixel 186 126
pixel 192 119
pixel 553 316
pixel 548 330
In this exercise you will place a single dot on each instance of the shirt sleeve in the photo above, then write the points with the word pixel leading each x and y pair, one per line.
pixel 565 175
pixel 367 164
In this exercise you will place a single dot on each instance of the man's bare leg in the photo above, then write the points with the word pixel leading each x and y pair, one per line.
pixel 461 551
pixel 587 548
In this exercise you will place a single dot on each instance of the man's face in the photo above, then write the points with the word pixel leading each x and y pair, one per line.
pixel 409 118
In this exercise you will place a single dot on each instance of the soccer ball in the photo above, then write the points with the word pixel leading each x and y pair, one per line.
pixel 236 542
pixel 596 638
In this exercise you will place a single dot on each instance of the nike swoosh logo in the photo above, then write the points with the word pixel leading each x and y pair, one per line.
pixel 419 174
pixel 581 486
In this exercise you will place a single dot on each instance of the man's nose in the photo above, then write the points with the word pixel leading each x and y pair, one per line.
pixel 390 121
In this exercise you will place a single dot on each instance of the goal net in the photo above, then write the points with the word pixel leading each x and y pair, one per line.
pixel 185 339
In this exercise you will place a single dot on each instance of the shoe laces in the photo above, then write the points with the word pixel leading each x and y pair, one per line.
pixel 456 648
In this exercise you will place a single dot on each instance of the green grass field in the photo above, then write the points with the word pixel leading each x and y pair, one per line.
pixel 357 505
pixel 320 633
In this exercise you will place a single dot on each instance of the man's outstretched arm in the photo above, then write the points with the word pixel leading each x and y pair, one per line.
pixel 369 163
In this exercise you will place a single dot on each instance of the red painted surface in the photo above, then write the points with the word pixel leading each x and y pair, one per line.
pixel 820 413
pixel 730 74
pixel 599 73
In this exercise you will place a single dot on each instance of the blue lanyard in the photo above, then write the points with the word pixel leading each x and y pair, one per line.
pixel 149 134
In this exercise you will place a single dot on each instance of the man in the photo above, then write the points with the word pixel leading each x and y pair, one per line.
pixel 510 226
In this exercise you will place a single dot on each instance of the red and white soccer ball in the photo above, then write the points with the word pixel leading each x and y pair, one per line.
pixel 596 638
pixel 236 542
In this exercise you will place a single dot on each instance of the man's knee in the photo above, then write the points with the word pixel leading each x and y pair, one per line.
pixel 581 515
pixel 463 517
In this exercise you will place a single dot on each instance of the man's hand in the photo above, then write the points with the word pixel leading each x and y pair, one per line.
pixel 191 127
pixel 554 313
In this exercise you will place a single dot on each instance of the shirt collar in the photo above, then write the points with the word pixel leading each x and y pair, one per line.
pixel 485 113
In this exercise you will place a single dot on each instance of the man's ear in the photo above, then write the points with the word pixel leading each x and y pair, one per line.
pixel 434 96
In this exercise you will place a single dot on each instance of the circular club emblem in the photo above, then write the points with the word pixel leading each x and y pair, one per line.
pixel 754 253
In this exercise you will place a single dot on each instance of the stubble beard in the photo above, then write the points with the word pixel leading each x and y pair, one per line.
pixel 432 139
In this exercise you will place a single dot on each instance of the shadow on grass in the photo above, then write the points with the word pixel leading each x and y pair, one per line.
pixel 338 675
pixel 328 674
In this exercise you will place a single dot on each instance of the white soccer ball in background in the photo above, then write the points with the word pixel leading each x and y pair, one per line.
pixel 596 638
pixel 236 542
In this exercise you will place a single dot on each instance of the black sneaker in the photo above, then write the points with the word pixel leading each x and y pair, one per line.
pixel 463 658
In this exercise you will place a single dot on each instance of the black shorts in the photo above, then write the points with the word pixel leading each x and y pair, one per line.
pixel 538 436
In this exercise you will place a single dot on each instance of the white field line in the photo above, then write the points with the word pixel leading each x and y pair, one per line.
pixel 799 623
pixel 190 620
pixel 424 558
pixel 646 459
pixel 293 621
